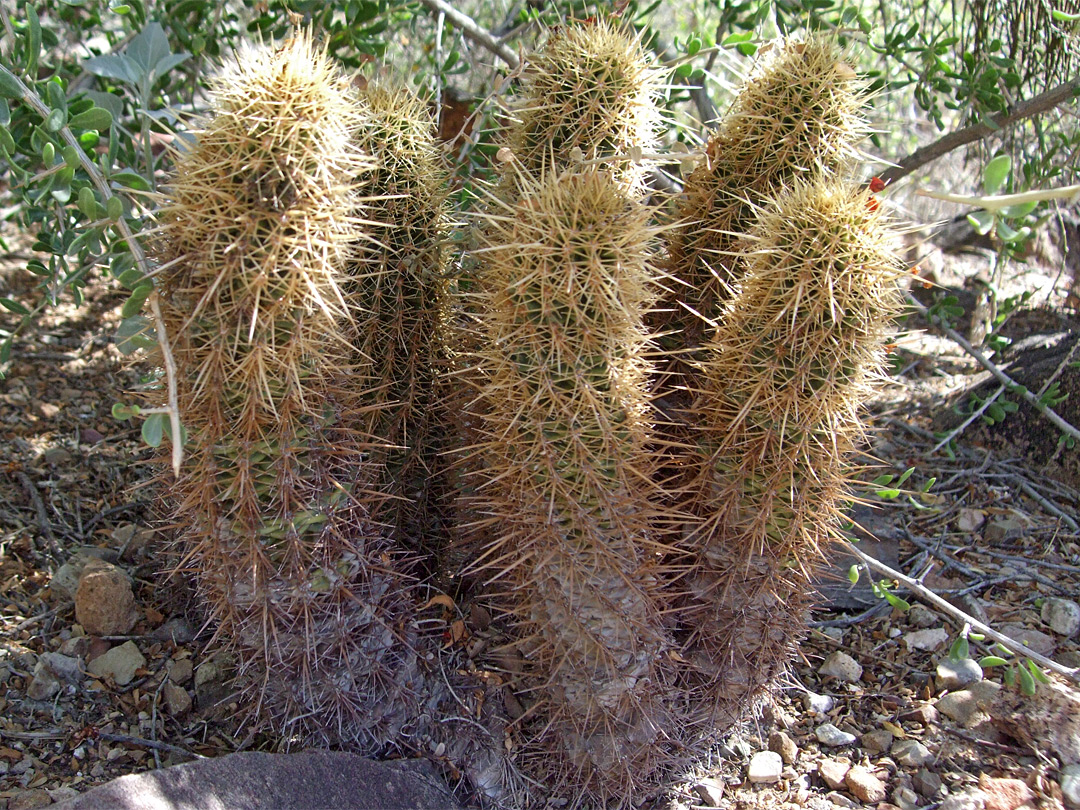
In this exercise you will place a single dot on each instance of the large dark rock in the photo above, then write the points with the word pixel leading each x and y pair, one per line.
pixel 313 780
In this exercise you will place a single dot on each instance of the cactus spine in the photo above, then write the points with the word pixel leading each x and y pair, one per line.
pixel 565 282
pixel 590 95
pixel 798 116
pixel 397 276
pixel 785 376
pixel 253 239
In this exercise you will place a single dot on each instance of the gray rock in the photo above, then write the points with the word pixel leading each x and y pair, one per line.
pixel 973 799
pixel 830 735
pixel 177 699
pixel 1069 779
pixel 841 666
pixel 710 791
pixel 765 768
pixel 964 706
pixel 910 753
pixel 1062 616
pixel 256 781
pixel 181 670
pixel 953 675
pixel 927 640
pixel 65 667
pixel 1036 640
pixel 176 630
pixel 922 617
pixel 818 704
pixel 44 685
pixel 119 663
pixel 926 783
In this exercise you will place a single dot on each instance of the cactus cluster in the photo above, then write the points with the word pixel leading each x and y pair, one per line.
pixel 650 583
pixel 256 238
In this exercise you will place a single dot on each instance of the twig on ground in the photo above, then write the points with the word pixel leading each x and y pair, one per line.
pixel 963 425
pixel 1012 385
pixel 1041 103
pixel 39 506
pixel 470 28
pixel 152 744
pixel 1046 504
pixel 1072 674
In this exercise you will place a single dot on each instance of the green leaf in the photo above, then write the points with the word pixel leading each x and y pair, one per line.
pixel 114 207
pixel 981 221
pixel 900 604
pixel 87 202
pixel 1021 210
pixel 11 305
pixel 1064 16
pixel 853 574
pixel 959 649
pixel 133 306
pixel 115 66
pixel 131 179
pixel 133 335
pixel 56 120
pixel 1027 683
pixel 153 429
pixel 992 661
pixel 1037 672
pixel 148 47
pixel 123 412
pixel 10 87
pixel 905 476
pixel 996 173
pixel 5 113
pixel 5 349
pixel 94 118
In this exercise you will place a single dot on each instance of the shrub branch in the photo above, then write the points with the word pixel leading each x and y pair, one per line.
pixel 102 185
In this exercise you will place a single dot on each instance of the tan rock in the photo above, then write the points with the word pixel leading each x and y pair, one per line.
pixel 1005 794
pixel 104 601
pixel 177 699
pixel 864 786
pixel 833 771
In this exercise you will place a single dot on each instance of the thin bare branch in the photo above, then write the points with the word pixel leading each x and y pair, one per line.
pixel 470 28
pixel 1044 102
pixel 1010 384
pixel 121 225
pixel 921 590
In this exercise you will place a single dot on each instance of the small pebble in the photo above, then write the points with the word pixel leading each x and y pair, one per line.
pixel 833 771
pixel 864 786
pixel 1006 794
pixel 782 744
pixel 910 753
pixel 765 768
pixel 1070 784
pixel 876 742
pixel 710 791
pixel 954 675
pixel 1062 616
pixel 927 640
pixel 973 799
pixel 841 666
pixel 921 617
pixel 818 704
pixel 830 735
pixel 926 783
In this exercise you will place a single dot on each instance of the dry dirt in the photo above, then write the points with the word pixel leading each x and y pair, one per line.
pixel 994 535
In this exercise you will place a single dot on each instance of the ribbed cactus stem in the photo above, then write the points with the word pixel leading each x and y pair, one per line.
pixel 257 225
pixel 567 466
pixel 797 117
pixel 785 377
